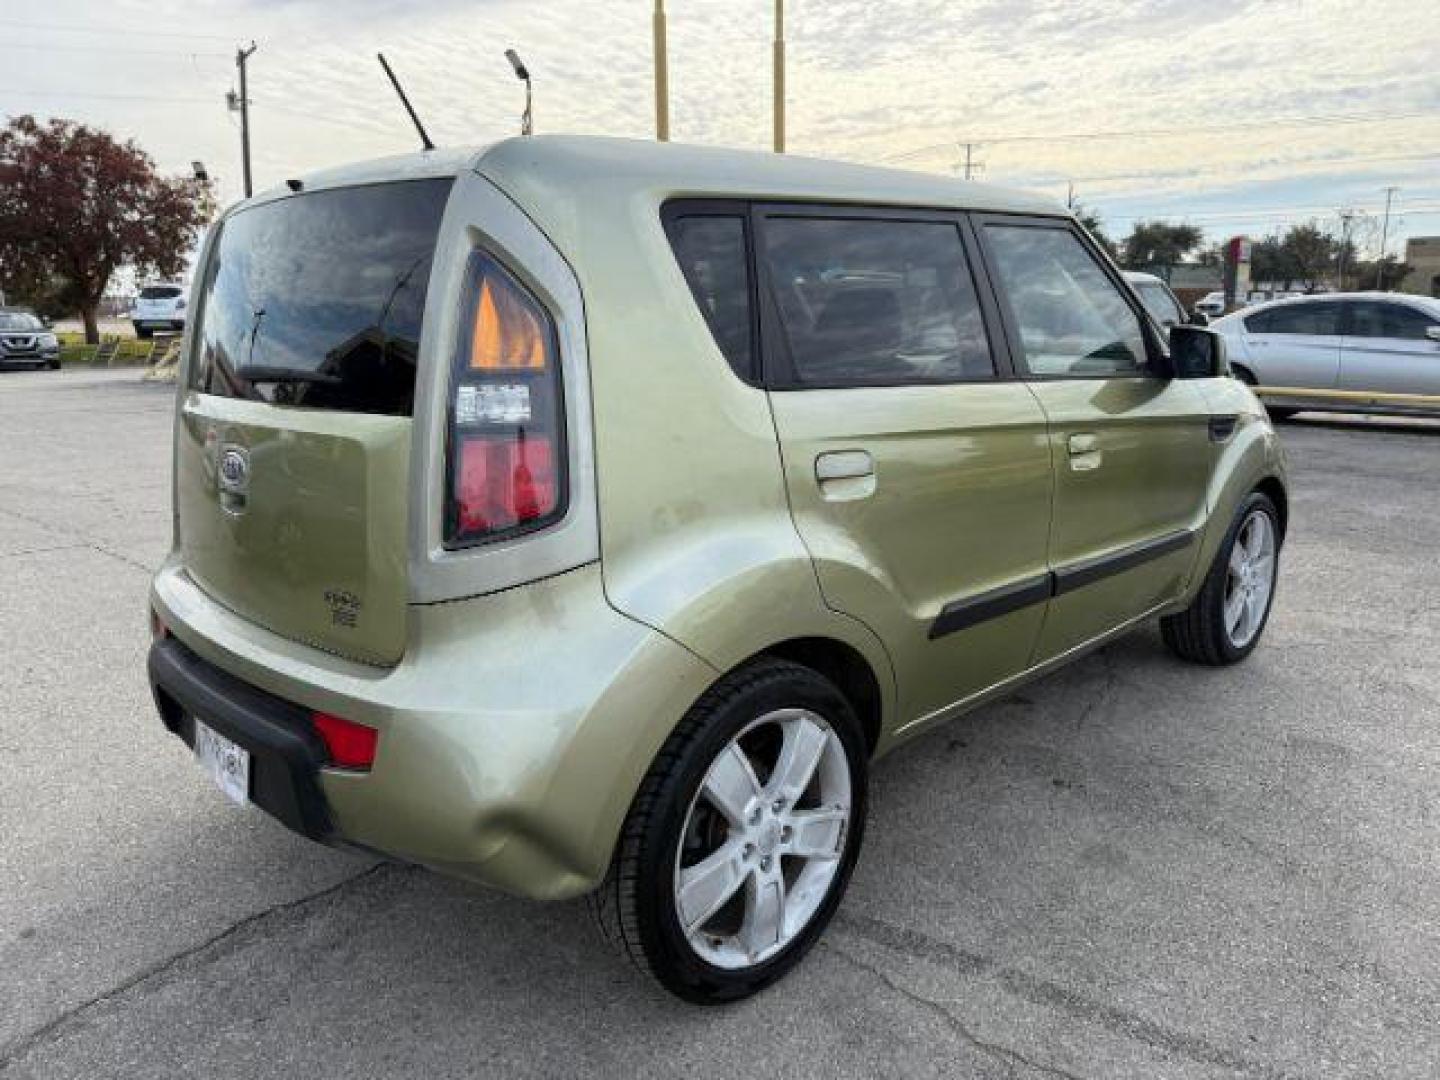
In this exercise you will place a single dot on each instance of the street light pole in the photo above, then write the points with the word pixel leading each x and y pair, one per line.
pixel 779 76
pixel 242 55
pixel 662 76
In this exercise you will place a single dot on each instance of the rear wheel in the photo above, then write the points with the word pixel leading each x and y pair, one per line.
pixel 1224 623
pixel 741 840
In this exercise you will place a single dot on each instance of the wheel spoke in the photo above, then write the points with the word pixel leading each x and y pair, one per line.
pixel 816 834
pixel 1254 609
pixel 707 886
pixel 1237 558
pixel 799 755
pixel 764 913
pixel 731 785
pixel 1234 611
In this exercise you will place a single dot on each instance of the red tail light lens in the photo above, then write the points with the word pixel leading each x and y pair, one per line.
pixel 351 745
pixel 506 464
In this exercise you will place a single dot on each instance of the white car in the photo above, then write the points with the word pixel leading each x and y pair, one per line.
pixel 159 307
pixel 1381 343
pixel 1213 305
pixel 1159 301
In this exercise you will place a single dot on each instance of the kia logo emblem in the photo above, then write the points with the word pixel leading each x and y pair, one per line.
pixel 234 469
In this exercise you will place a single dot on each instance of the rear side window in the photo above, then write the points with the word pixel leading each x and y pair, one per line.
pixel 711 250
pixel 317 300
pixel 875 302
pixel 1315 319
pixel 1072 319
pixel 1373 320
pixel 159 292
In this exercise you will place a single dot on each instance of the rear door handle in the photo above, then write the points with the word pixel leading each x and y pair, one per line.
pixel 1085 452
pixel 845 474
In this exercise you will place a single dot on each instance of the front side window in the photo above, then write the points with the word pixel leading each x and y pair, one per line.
pixel 1071 318
pixel 875 302
pixel 1377 320
pixel 711 252
pixel 1318 320
pixel 1160 303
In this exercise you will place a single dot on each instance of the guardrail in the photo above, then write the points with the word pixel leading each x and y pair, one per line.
pixel 1353 397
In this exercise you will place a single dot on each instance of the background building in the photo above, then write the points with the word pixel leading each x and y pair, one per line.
pixel 1422 255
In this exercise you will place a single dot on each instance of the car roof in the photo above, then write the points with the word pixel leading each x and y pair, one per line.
pixel 574 164
pixel 1425 303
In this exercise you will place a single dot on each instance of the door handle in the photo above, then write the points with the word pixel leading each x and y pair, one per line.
pixel 845 474
pixel 1085 452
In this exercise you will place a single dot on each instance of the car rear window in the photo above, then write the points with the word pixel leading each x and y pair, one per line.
pixel 317 300
pixel 160 292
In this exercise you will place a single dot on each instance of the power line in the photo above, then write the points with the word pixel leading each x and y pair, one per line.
pixel 112 49
pixel 1151 133
pixel 170 98
pixel 108 31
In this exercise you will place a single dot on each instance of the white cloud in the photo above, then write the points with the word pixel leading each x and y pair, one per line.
pixel 867 80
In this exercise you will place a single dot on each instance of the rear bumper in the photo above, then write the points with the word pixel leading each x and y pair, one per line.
pixel 286 754
pixel 513 734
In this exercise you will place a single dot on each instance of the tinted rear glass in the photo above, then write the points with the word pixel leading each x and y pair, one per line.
pixel 159 292
pixel 711 252
pixel 875 302
pixel 317 300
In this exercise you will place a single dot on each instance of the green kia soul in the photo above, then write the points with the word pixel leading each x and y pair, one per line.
pixel 585 516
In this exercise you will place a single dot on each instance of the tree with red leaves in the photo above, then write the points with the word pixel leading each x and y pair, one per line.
pixel 76 205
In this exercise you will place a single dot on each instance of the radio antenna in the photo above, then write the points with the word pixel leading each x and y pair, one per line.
pixel 400 91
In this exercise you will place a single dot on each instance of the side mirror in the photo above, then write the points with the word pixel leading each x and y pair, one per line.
pixel 1197 353
pixel 1199 318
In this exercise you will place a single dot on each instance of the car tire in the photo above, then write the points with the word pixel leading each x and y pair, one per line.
pixel 53 365
pixel 1224 622
pixel 686 935
pixel 144 333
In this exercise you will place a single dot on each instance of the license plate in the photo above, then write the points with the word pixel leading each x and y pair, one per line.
pixel 227 763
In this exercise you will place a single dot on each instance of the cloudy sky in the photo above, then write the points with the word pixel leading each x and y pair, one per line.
pixel 1237 116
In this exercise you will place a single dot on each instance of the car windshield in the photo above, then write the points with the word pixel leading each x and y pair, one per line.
pixel 19 320
pixel 160 292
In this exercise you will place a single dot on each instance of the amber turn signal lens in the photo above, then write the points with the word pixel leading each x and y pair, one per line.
pixel 507 336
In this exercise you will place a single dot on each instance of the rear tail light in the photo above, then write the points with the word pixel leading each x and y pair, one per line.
pixel 505 472
pixel 351 745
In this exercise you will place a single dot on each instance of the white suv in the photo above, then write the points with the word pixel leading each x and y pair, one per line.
pixel 159 307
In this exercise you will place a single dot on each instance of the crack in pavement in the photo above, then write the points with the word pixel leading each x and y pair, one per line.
pixel 54 1029
pixel 1006 1055
pixel 1039 991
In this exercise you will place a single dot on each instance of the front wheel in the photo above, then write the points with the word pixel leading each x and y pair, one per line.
pixel 741 840
pixel 1224 623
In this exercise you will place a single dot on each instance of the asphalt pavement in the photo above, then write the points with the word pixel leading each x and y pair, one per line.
pixel 1136 868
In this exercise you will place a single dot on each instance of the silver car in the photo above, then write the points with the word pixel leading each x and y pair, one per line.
pixel 1357 352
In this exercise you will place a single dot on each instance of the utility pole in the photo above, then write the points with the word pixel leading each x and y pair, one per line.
pixel 971 166
pixel 662 76
pixel 1070 195
pixel 779 76
pixel 1346 216
pixel 1384 236
pixel 242 55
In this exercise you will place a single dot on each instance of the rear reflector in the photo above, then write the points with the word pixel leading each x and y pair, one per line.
pixel 351 745
pixel 505 451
